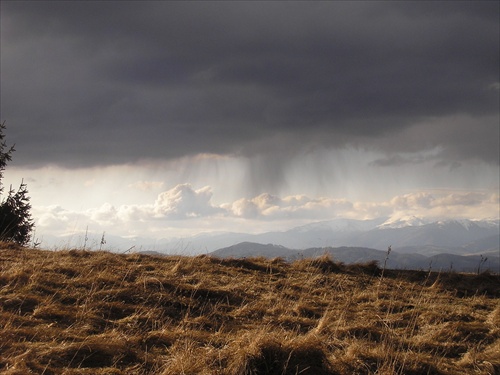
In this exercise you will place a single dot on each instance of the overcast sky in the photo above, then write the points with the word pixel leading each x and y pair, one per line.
pixel 174 117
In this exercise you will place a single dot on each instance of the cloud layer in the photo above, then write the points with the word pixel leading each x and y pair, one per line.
pixel 104 83
pixel 186 208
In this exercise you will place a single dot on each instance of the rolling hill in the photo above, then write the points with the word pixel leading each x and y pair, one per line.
pixel 350 255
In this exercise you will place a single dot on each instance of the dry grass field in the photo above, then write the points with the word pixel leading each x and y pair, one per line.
pixel 95 312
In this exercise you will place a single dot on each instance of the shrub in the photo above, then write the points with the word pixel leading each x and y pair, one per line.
pixel 16 224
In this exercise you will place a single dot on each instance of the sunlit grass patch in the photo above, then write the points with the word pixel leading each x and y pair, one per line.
pixel 83 312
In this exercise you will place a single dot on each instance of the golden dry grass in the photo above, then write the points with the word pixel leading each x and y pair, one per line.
pixel 81 312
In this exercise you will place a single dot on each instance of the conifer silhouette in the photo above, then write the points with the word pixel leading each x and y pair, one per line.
pixel 16 223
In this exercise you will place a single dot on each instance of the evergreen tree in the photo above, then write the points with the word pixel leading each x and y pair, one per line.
pixel 5 154
pixel 16 224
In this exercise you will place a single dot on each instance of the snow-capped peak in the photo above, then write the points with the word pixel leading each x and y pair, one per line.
pixel 341 225
pixel 415 221
pixel 468 224
pixel 403 221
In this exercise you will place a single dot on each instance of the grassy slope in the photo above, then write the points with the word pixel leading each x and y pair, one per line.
pixel 77 312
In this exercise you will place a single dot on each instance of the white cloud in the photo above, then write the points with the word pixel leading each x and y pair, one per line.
pixel 243 208
pixel 106 214
pixel 271 207
pixel 57 220
pixel 134 213
pixel 412 201
pixel 183 202
pixel 471 205
pixel 185 211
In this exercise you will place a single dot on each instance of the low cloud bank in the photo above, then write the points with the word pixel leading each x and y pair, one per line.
pixel 189 210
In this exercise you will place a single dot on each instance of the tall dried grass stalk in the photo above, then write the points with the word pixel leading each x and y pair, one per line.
pixel 83 312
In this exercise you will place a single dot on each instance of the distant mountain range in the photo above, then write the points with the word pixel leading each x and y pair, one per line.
pixel 420 241
pixel 460 245
pixel 348 255
pixel 460 237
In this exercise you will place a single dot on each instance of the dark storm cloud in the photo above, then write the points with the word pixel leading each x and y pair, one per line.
pixel 88 83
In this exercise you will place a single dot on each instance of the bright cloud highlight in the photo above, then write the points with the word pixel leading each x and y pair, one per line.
pixel 186 208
